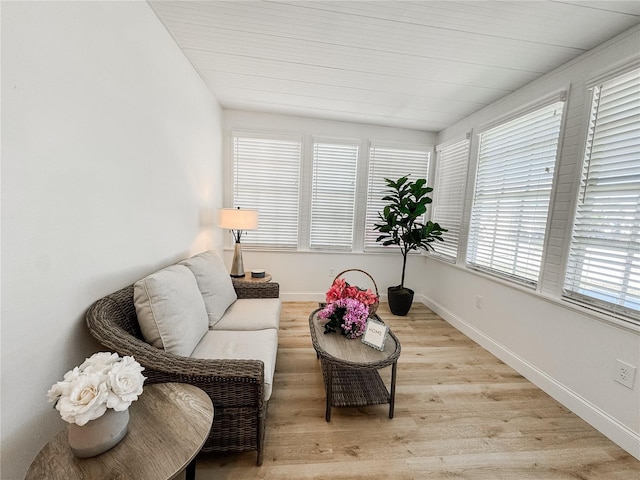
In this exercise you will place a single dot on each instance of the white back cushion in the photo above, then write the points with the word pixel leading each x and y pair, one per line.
pixel 214 283
pixel 170 310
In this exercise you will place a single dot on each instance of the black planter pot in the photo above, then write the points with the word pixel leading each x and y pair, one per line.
pixel 400 300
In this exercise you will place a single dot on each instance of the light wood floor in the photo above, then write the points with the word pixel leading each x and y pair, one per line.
pixel 460 414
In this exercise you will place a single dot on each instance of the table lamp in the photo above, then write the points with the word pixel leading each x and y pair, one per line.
pixel 237 220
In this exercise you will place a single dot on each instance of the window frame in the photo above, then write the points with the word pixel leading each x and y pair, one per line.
pixel 305 184
pixel 368 233
pixel 582 300
pixel 232 198
pixel 333 142
pixel 557 97
pixel 462 198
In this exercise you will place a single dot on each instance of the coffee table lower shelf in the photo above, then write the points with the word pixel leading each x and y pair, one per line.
pixel 349 387
pixel 351 369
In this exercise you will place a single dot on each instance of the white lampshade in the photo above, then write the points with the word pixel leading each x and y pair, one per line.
pixel 237 219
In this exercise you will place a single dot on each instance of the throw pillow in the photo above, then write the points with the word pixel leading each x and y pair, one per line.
pixel 170 310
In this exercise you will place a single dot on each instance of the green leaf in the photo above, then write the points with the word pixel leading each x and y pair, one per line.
pixel 401 218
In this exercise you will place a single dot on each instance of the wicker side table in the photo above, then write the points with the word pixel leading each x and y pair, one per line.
pixel 350 368
pixel 249 279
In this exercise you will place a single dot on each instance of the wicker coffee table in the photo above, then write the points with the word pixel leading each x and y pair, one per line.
pixel 350 368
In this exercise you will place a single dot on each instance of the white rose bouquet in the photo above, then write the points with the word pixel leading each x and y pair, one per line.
pixel 105 380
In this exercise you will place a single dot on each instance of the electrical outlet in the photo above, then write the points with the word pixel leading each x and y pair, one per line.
pixel 332 272
pixel 625 374
pixel 479 302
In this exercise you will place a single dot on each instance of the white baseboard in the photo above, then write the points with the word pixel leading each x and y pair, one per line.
pixel 617 432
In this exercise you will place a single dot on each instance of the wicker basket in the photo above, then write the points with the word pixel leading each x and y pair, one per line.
pixel 374 307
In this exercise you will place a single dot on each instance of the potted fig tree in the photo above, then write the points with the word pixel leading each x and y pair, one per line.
pixel 402 223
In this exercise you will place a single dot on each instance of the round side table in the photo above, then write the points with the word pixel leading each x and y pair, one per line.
pixel 168 425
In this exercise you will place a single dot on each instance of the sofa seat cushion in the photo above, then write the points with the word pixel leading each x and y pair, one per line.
pixel 251 314
pixel 214 283
pixel 240 345
pixel 170 310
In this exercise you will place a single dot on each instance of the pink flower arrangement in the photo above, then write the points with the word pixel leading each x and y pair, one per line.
pixel 341 289
pixel 347 314
pixel 347 309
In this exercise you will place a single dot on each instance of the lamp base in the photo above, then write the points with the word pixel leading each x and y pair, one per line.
pixel 237 267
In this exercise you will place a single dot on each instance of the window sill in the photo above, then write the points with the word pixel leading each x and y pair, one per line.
pixel 620 322
pixel 248 248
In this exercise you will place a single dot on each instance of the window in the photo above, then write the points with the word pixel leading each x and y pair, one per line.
pixel 320 198
pixel 512 191
pixel 604 259
pixel 266 172
pixel 333 195
pixel 388 162
pixel 448 201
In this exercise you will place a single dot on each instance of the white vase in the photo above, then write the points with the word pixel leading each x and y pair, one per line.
pixel 98 435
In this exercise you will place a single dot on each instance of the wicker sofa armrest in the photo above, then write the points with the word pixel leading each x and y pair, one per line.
pixel 257 289
pixel 161 366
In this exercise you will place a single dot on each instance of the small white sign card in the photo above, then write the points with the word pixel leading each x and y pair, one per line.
pixel 375 334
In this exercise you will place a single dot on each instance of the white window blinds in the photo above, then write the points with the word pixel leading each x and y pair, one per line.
pixel 448 196
pixel 511 197
pixel 266 174
pixel 333 195
pixel 604 260
pixel 393 163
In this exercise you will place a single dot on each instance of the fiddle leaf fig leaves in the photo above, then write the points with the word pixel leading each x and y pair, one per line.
pixel 401 220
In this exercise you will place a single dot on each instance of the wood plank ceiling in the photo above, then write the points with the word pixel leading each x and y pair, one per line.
pixel 412 64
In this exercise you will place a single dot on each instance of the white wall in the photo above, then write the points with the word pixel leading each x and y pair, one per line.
pixel 306 275
pixel 569 353
pixel 110 147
